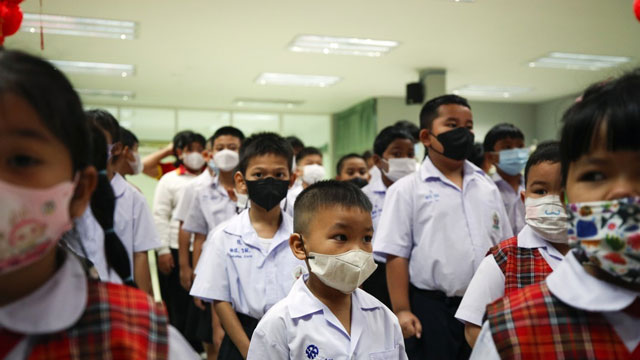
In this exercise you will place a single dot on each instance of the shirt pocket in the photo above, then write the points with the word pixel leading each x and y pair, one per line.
pixel 386 355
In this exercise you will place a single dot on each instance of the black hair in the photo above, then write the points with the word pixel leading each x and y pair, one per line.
pixel 430 109
pixel 51 95
pixel 107 122
pixel 477 156
pixel 226 130
pixel 324 194
pixel 615 104
pixel 500 132
pixel 184 139
pixel 295 142
pixel 410 127
pixel 547 151
pixel 345 158
pixel 127 138
pixel 367 154
pixel 388 135
pixel 309 150
pixel 262 144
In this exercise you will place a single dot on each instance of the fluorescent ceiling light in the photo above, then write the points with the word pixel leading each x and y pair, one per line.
pixel 579 61
pixel 92 68
pixel 490 91
pixel 264 103
pixel 341 45
pixel 119 94
pixel 77 26
pixel 254 117
pixel 296 80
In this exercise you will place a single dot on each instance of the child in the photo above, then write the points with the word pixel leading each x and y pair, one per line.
pixel 309 170
pixel 435 229
pixel 588 308
pixel 326 316
pixel 49 307
pixel 352 167
pixel 504 148
pixel 152 164
pixel 248 267
pixel 133 164
pixel 529 257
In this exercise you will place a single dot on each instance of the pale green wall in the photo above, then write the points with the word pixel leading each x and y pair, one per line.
pixel 549 115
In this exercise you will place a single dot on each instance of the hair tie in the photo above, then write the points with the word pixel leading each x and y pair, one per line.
pixel 109 231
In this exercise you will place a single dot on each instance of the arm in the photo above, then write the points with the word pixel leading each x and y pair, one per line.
pixel 398 283
pixel 141 272
pixel 218 331
pixel 162 219
pixel 197 248
pixel 186 271
pixel 232 326
pixel 485 348
pixel 471 332
pixel 151 162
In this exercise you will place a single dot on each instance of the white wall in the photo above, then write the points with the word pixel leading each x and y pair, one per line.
pixel 549 115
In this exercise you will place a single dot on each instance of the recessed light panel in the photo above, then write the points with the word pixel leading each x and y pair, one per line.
pixel 572 61
pixel 267 104
pixel 118 94
pixel 490 91
pixel 79 26
pixel 296 80
pixel 93 68
pixel 341 45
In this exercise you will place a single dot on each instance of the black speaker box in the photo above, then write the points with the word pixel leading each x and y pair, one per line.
pixel 415 93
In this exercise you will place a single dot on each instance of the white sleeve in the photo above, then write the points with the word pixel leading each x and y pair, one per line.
pixel 179 348
pixel 194 220
pixel 184 204
pixel 394 233
pixel 212 282
pixel 145 236
pixel 162 214
pixel 485 348
pixel 505 228
pixel 486 286
pixel 399 340
pixel 267 344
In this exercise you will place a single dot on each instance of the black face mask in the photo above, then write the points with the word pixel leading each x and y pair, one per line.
pixel 457 143
pixel 268 192
pixel 360 182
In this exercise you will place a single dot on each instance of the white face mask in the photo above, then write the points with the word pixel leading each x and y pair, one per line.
pixel 226 160
pixel 399 168
pixel 193 160
pixel 343 272
pixel 313 173
pixel 136 164
pixel 547 217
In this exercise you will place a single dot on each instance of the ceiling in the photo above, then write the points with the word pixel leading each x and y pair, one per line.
pixel 206 53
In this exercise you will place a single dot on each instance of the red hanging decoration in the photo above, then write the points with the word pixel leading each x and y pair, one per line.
pixel 636 9
pixel 12 19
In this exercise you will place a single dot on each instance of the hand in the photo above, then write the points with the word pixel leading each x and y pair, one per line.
pixel 186 277
pixel 409 324
pixel 218 335
pixel 199 304
pixel 165 263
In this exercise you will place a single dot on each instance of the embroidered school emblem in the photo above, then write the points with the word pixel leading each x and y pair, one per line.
pixel 496 221
pixel 312 351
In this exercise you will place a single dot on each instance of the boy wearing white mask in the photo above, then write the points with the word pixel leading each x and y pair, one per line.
pixel 309 170
pixel 326 316
pixel 531 255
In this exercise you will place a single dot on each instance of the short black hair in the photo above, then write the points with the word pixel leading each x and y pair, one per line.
pixel 324 194
pixel 410 127
pixel 295 142
pixel 616 104
pixel 262 144
pixel 184 139
pixel 499 132
pixel 477 156
pixel 106 122
pixel 309 150
pixel 430 109
pixel 387 135
pixel 547 151
pixel 226 130
pixel 127 138
pixel 345 158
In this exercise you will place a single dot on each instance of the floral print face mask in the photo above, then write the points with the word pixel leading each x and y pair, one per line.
pixel 606 234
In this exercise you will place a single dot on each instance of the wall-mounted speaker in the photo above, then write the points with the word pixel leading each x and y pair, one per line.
pixel 415 93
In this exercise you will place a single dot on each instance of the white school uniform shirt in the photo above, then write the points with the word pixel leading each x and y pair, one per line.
pixel 132 220
pixel 292 195
pixel 575 287
pixel 184 205
pixel 512 202
pixel 444 231
pixel 301 327
pixel 237 269
pixel 210 207
pixel 168 193
pixel 57 305
pixel 89 244
pixel 487 284
pixel 376 191
pixel 375 174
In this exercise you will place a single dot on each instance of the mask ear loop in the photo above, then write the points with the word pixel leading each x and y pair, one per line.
pixel 306 253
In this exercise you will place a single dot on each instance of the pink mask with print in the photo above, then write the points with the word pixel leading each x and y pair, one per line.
pixel 31 222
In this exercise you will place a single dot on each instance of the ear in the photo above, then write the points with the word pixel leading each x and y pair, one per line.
pixel 87 182
pixel 117 149
pixel 425 137
pixel 297 246
pixel 179 152
pixel 492 157
pixel 241 185
pixel 293 178
pixel 377 160
pixel 522 197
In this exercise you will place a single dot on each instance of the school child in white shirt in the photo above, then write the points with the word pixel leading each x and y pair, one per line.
pixel 133 164
pixel 436 228
pixel 504 148
pixel 352 167
pixel 530 256
pixel 309 170
pixel 248 266
pixel 326 316
pixel 49 307
pixel 589 307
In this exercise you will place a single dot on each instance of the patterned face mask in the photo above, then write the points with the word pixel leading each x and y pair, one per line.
pixel 606 234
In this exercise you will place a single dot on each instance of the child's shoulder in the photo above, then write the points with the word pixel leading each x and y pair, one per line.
pixel 368 302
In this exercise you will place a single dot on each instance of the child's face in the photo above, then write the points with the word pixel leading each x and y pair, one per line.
pixel 193 147
pixel 268 165
pixel 314 159
pixel 222 142
pixel 450 116
pixel 543 179
pixel 504 144
pixel 352 168
pixel 336 230
pixel 399 148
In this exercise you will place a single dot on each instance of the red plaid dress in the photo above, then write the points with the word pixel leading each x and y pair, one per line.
pixel 119 322
pixel 534 324
pixel 521 266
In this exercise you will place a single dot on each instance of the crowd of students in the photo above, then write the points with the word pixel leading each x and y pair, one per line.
pixel 428 246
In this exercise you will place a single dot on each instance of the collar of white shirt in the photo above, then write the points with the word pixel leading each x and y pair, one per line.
pixel 498 179
pixel 429 171
pixel 54 306
pixel 241 226
pixel 377 186
pixel 119 185
pixel 575 287
pixel 529 239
